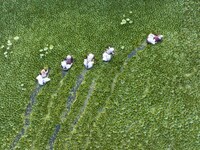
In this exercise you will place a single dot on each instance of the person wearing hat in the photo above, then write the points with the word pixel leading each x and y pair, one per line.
pixel 42 78
pixel 67 62
pixel 107 55
pixel 89 61
pixel 153 38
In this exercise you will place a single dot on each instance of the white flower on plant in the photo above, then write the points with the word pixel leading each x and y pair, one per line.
pixel 16 38
pixel 6 56
pixel 41 50
pixel 2 46
pixel 130 12
pixel 22 84
pixel 51 47
pixel 8 48
pixel 46 53
pixel 127 19
pixel 5 53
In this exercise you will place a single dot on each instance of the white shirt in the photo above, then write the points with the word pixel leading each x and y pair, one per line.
pixel 106 56
pixel 151 39
pixel 42 80
pixel 65 65
pixel 88 64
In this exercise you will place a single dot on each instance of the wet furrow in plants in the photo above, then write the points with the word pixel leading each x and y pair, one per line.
pixel 72 95
pixel 27 116
pixel 52 139
pixel 92 86
pixel 29 110
pixel 69 102
pixel 64 72
pixel 141 47
pixel 76 118
pixel 78 112
pixel 130 55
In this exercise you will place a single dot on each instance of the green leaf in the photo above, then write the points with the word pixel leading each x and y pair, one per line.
pixel 16 38
pixel 46 48
pixel 51 47
pixel 130 21
pixel 41 55
pixel 123 21
pixel 122 47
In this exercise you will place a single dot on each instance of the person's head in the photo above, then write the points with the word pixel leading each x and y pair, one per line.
pixel 112 49
pixel 90 56
pixel 69 57
pixel 42 71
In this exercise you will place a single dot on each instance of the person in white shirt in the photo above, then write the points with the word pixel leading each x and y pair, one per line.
pixel 153 38
pixel 67 63
pixel 42 78
pixel 89 61
pixel 107 55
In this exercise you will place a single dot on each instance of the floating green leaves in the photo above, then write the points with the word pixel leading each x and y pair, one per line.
pixel 9 43
pixel 51 47
pixel 42 55
pixel 44 51
pixel 126 20
pixel 8 46
pixel 122 47
pixel 16 38
pixel 123 21
pixel 22 87
pixel 5 54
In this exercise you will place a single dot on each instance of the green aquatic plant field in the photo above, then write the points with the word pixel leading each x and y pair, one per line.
pixel 149 101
